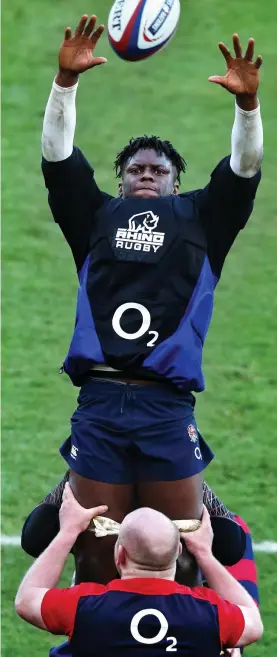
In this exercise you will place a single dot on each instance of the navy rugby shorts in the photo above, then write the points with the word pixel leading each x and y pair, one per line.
pixel 124 433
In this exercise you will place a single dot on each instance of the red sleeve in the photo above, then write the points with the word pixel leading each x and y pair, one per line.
pixel 245 571
pixel 58 607
pixel 230 617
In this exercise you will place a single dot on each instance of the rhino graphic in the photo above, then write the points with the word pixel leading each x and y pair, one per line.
pixel 148 224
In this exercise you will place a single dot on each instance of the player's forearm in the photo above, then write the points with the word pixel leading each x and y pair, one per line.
pixel 45 572
pixel 60 119
pixel 247 140
pixel 224 584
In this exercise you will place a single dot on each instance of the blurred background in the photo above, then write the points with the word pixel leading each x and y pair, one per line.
pixel 168 95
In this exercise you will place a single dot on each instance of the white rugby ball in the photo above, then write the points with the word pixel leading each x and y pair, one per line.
pixel 139 28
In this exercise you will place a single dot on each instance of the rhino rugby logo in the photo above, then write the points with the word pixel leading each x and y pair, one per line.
pixel 140 234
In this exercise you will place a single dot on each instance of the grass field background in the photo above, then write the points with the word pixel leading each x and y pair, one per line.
pixel 168 95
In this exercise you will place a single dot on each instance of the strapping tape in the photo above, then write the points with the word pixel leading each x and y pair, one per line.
pixel 102 526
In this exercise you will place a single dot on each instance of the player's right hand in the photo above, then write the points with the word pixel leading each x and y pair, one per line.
pixel 199 543
pixel 76 53
pixel 74 518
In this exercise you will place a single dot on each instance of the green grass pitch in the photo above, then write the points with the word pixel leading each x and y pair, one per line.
pixel 168 95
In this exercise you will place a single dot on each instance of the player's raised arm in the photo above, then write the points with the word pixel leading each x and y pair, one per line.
pixel 242 80
pixel 74 196
pixel 76 56
pixel 226 203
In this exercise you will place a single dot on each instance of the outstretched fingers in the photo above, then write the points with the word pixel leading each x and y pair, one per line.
pixel 99 60
pixel 249 54
pixel 225 52
pixel 87 28
pixel 97 34
pixel 80 27
pixel 258 62
pixel 250 50
pixel 218 79
pixel 67 33
pixel 237 45
pixel 90 25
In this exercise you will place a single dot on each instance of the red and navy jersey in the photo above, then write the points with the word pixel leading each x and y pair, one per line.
pixel 147 269
pixel 142 617
pixel 245 571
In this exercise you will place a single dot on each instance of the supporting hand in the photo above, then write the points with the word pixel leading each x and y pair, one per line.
pixel 74 519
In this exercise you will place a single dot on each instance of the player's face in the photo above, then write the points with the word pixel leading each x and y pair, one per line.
pixel 148 175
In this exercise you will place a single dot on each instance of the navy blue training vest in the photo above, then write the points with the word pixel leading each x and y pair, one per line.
pixel 146 291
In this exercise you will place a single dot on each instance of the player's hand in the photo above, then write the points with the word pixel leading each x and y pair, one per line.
pixel 76 53
pixel 232 652
pixel 74 519
pixel 242 77
pixel 199 543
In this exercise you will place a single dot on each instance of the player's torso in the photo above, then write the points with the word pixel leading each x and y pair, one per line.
pixel 118 624
pixel 145 261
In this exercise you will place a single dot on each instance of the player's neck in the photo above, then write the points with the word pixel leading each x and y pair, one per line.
pixel 131 573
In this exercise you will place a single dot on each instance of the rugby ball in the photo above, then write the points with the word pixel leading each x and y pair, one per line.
pixel 139 28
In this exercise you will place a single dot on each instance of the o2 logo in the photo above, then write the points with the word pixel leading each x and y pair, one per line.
pixel 134 627
pixel 198 454
pixel 145 323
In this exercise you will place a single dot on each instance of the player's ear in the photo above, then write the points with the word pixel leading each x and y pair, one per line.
pixel 120 556
pixel 176 188
pixel 115 551
pixel 180 549
pixel 120 190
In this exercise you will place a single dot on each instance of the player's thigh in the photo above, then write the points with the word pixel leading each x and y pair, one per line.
pixel 94 560
pixel 89 493
pixel 94 556
pixel 179 500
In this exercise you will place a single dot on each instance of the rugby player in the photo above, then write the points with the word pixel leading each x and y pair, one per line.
pixel 147 262
pixel 42 525
pixel 245 572
pixel 146 551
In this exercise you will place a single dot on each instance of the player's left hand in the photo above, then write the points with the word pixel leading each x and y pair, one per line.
pixel 242 77
pixel 74 519
pixel 199 542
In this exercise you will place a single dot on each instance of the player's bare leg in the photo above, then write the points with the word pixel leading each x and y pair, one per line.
pixel 179 500
pixel 42 524
pixel 94 556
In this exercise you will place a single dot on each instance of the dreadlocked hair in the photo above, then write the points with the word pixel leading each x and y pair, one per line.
pixel 153 143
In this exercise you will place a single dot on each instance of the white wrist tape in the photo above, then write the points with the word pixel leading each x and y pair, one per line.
pixel 102 526
pixel 59 123
pixel 247 142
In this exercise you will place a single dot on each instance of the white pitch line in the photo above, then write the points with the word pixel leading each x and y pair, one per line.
pixel 268 547
pixel 10 541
